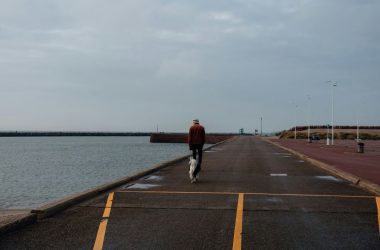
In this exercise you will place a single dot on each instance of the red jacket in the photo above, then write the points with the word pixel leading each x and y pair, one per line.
pixel 197 135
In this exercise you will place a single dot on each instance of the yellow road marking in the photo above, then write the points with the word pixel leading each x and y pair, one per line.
pixel 259 194
pixel 100 235
pixel 238 223
pixel 314 195
pixel 239 211
pixel 378 211
pixel 107 209
pixel 103 224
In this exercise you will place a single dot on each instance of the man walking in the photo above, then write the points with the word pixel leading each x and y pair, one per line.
pixel 196 141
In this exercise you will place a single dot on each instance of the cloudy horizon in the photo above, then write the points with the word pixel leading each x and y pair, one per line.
pixel 135 65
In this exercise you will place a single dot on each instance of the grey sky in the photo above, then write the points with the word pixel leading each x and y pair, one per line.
pixel 130 65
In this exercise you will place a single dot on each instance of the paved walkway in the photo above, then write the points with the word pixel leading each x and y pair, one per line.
pixel 252 195
pixel 342 155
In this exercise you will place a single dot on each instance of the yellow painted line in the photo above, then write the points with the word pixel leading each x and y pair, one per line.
pixel 100 235
pixel 108 207
pixel 238 223
pixel 314 195
pixel 378 211
pixel 259 194
pixel 103 224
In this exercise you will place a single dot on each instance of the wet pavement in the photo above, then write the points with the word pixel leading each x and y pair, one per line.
pixel 251 195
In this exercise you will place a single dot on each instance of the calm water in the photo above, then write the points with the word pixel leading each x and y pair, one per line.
pixel 34 171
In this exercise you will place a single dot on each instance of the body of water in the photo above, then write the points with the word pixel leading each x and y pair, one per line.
pixel 38 170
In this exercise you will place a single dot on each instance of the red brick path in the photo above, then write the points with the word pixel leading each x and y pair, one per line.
pixel 342 155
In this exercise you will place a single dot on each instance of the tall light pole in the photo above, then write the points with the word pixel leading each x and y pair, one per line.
pixel 357 124
pixel 327 135
pixel 308 129
pixel 357 130
pixel 295 118
pixel 333 84
pixel 261 127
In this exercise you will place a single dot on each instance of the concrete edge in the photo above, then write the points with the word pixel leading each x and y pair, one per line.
pixel 62 204
pixel 18 223
pixel 357 181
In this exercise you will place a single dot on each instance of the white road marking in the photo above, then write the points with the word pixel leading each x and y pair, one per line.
pixel 328 178
pixel 142 186
pixel 278 174
pixel 154 178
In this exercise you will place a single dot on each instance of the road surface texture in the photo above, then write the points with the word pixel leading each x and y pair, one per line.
pixel 251 195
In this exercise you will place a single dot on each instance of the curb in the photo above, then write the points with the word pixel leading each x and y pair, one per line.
pixel 62 204
pixel 18 223
pixel 357 181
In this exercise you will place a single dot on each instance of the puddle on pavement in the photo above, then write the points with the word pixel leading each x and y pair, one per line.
pixel 210 151
pixel 300 161
pixel 282 154
pixel 142 186
pixel 328 178
pixel 278 174
pixel 273 200
pixel 269 200
pixel 154 178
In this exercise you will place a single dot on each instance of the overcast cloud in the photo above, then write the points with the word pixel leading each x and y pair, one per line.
pixel 132 65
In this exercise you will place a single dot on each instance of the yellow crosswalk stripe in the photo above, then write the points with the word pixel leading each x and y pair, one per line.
pixel 238 223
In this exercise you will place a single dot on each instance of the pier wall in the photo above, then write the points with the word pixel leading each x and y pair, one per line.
pixel 182 138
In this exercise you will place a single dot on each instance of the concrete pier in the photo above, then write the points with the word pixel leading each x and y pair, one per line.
pixel 182 138
pixel 251 195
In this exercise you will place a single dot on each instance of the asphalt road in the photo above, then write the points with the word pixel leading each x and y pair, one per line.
pixel 251 195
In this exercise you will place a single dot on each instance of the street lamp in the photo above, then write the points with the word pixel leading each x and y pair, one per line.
pixel 295 118
pixel 327 135
pixel 357 130
pixel 308 129
pixel 333 84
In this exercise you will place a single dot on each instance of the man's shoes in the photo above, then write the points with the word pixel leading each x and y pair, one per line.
pixel 193 180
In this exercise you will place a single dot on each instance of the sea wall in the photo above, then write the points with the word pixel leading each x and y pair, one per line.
pixel 182 138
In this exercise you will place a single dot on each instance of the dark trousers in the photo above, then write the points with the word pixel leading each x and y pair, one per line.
pixel 197 148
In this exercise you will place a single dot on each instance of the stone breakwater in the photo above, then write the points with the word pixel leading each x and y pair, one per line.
pixel 182 138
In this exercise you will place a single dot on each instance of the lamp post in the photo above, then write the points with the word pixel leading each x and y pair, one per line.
pixel 308 129
pixel 327 135
pixel 295 118
pixel 357 129
pixel 333 84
